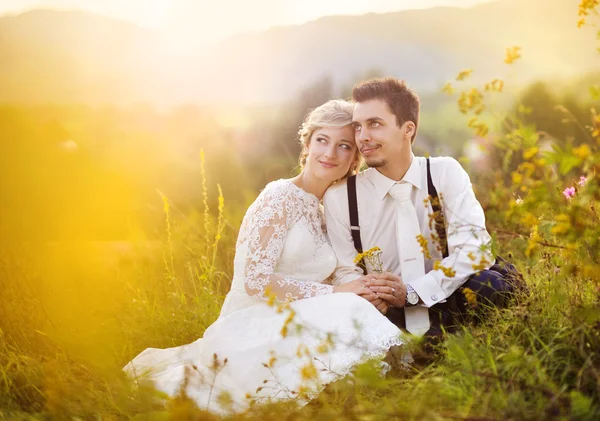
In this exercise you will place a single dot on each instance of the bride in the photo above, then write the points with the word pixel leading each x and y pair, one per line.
pixel 283 332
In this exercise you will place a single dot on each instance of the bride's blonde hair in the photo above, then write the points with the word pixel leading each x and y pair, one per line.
pixel 334 113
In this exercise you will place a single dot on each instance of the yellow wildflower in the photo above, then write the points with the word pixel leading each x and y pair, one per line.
pixel 533 242
pixel 482 130
pixel 587 6
pixel 595 129
pixel 530 152
pixel 582 151
pixel 562 226
pixel 471 296
pixel 303 392
pixel 471 100
pixel 529 219
pixel 423 243
pixel 288 321
pixel 326 345
pixel 448 88
pixel 463 74
pixel 271 297
pixel 302 350
pixel 512 54
pixel 449 272
pixel 516 177
pixel 323 348
pixel 482 265
pixel 309 371
pixel 496 85
pixel 371 257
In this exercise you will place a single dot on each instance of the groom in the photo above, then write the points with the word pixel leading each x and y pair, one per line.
pixel 422 214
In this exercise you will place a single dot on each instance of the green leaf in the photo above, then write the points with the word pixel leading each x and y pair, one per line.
pixel 567 163
pixel 590 314
pixel 581 406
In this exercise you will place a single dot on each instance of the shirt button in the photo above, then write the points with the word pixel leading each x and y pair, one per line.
pixel 434 297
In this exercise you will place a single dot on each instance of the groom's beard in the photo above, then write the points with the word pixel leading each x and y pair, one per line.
pixel 376 163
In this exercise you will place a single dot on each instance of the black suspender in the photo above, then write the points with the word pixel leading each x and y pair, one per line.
pixel 354 226
pixel 440 227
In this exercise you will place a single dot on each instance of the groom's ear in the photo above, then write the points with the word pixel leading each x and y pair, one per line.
pixel 409 128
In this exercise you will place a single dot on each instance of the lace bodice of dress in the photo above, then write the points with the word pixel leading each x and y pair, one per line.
pixel 282 246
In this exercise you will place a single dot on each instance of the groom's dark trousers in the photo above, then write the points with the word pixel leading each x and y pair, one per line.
pixel 492 287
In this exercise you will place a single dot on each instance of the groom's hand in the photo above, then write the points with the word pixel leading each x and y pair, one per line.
pixel 389 287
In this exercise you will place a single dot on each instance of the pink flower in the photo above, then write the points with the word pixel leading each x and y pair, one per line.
pixel 582 180
pixel 569 192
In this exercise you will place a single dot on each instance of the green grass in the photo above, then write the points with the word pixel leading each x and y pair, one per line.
pixel 73 315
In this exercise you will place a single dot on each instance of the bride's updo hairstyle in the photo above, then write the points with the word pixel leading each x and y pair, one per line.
pixel 335 113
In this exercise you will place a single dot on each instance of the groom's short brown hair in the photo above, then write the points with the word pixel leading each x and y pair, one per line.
pixel 401 100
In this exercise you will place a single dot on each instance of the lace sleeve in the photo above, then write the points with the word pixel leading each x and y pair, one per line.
pixel 271 217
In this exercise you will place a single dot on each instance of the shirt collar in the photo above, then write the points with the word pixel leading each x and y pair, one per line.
pixel 383 184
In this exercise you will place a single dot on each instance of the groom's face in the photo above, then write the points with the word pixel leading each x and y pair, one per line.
pixel 378 136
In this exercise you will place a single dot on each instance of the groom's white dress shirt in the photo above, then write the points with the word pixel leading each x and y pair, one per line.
pixel 468 239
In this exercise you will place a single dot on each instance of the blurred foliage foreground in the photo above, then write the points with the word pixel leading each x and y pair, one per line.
pixel 72 314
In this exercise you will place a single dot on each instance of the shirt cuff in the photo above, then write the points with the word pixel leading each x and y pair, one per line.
pixel 428 290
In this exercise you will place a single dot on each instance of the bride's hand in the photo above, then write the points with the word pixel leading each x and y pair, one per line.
pixel 357 286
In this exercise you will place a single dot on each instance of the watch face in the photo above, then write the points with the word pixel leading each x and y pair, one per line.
pixel 412 298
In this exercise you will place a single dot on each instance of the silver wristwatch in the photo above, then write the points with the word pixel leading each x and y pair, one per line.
pixel 412 298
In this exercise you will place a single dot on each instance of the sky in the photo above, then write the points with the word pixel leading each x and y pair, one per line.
pixel 222 18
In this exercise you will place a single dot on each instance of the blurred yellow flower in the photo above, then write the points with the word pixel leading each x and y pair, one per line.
pixel 479 109
pixel 448 272
pixel 309 371
pixel 323 348
pixel 587 6
pixel 529 219
pixel 582 151
pixel 516 177
pixel 470 100
pixel 496 85
pixel 563 224
pixel 471 296
pixel 482 265
pixel 512 54
pixel 423 243
pixel 463 74
pixel 302 350
pixel 533 242
pixel 530 153
pixel 448 88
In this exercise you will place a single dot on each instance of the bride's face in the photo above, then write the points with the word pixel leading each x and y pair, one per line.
pixel 331 152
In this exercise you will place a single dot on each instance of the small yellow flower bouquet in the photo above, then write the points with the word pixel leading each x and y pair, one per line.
pixel 372 257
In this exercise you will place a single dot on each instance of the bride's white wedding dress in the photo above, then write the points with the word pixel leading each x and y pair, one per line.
pixel 259 349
